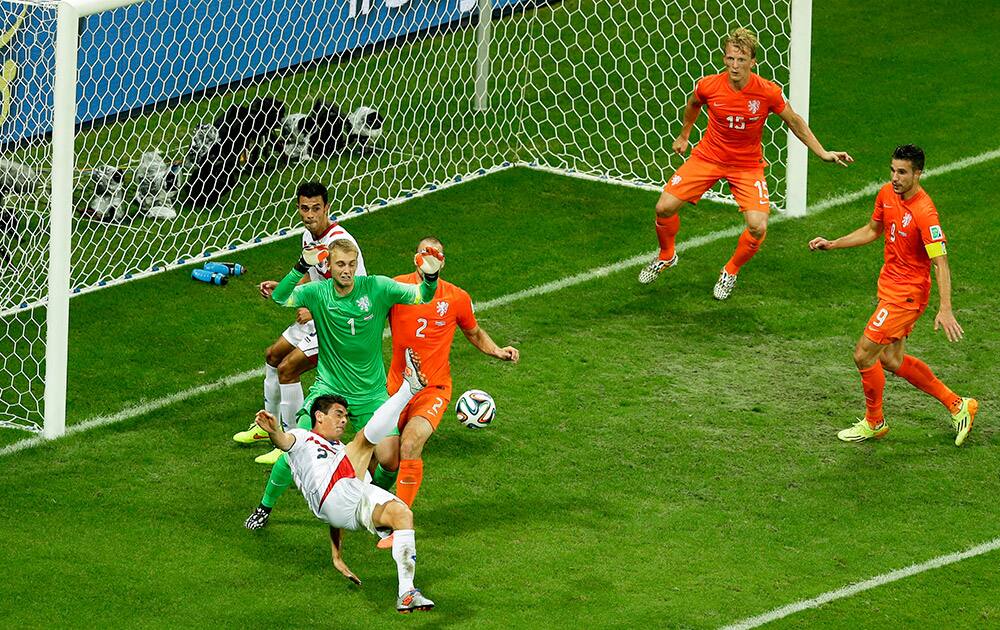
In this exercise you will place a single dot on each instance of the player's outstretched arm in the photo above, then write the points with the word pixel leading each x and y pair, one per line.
pixel 429 260
pixel 267 287
pixel 801 129
pixel 284 294
pixel 270 424
pixel 861 236
pixel 945 318
pixel 481 340
pixel 336 541
pixel 691 111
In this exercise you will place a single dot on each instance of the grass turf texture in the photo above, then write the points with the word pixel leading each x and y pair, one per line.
pixel 658 457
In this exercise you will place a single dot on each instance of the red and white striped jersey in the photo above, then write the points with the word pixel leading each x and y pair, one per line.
pixel 317 465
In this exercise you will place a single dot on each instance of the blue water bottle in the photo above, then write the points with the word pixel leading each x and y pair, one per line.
pixel 211 277
pixel 226 268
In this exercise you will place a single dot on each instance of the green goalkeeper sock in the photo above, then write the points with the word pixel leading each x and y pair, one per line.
pixel 384 478
pixel 281 478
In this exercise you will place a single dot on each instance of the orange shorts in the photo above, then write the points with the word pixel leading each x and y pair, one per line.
pixel 696 176
pixel 429 403
pixel 890 323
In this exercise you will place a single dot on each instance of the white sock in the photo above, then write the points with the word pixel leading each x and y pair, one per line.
pixel 404 552
pixel 272 394
pixel 385 417
pixel 291 402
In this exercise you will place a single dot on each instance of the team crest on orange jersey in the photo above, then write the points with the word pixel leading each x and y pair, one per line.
pixel 753 106
pixel 442 308
pixel 906 219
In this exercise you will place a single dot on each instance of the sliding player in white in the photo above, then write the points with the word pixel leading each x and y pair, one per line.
pixel 295 351
pixel 327 472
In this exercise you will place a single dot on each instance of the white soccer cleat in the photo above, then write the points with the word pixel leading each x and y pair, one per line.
pixel 412 600
pixel 653 270
pixel 724 287
pixel 412 374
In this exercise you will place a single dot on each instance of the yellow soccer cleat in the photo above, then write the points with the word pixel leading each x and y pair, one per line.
pixel 269 458
pixel 251 436
pixel 964 418
pixel 861 431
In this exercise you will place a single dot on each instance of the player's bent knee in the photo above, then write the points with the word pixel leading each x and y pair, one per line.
pixel 273 356
pixel 396 515
pixel 404 519
pixel 667 208
pixel 292 367
pixel 863 359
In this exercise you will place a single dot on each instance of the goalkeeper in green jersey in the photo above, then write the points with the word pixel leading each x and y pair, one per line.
pixel 350 314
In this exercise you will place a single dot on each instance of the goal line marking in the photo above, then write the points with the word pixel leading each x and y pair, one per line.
pixel 145 407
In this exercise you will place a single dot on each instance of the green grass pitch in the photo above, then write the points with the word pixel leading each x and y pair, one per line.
pixel 659 459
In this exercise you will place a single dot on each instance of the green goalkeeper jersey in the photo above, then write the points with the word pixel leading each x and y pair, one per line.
pixel 349 327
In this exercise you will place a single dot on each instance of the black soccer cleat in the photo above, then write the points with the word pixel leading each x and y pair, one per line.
pixel 258 518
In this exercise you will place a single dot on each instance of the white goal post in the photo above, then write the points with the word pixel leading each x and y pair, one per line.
pixel 69 14
pixel 142 135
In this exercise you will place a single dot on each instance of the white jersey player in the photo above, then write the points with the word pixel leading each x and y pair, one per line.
pixel 332 478
pixel 295 352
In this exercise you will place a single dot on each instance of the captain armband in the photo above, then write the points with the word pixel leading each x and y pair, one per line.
pixel 938 248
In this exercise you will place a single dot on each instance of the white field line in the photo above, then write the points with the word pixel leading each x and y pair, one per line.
pixel 854 589
pixel 543 289
pixel 139 409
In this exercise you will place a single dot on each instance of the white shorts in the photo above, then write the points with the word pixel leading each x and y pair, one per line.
pixel 303 337
pixel 351 503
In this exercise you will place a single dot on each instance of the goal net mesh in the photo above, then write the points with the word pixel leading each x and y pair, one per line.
pixel 196 121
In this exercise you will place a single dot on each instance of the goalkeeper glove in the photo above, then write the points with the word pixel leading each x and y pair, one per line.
pixel 429 260
pixel 312 255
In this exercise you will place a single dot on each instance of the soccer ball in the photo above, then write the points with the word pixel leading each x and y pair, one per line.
pixel 476 409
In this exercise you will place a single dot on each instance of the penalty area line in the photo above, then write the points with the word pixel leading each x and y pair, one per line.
pixel 854 589
pixel 538 290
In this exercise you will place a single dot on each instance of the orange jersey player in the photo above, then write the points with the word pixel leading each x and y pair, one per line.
pixel 428 329
pixel 738 103
pixel 914 242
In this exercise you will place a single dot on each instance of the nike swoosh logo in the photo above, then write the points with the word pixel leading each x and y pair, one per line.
pixel 260 437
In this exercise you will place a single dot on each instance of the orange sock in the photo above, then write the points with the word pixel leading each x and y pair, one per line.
pixel 666 233
pixel 920 376
pixel 873 382
pixel 745 250
pixel 411 473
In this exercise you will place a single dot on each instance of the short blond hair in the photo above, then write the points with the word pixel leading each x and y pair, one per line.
pixel 433 241
pixel 344 245
pixel 742 38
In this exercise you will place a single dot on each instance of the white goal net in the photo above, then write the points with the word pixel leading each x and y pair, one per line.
pixel 27 54
pixel 194 125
